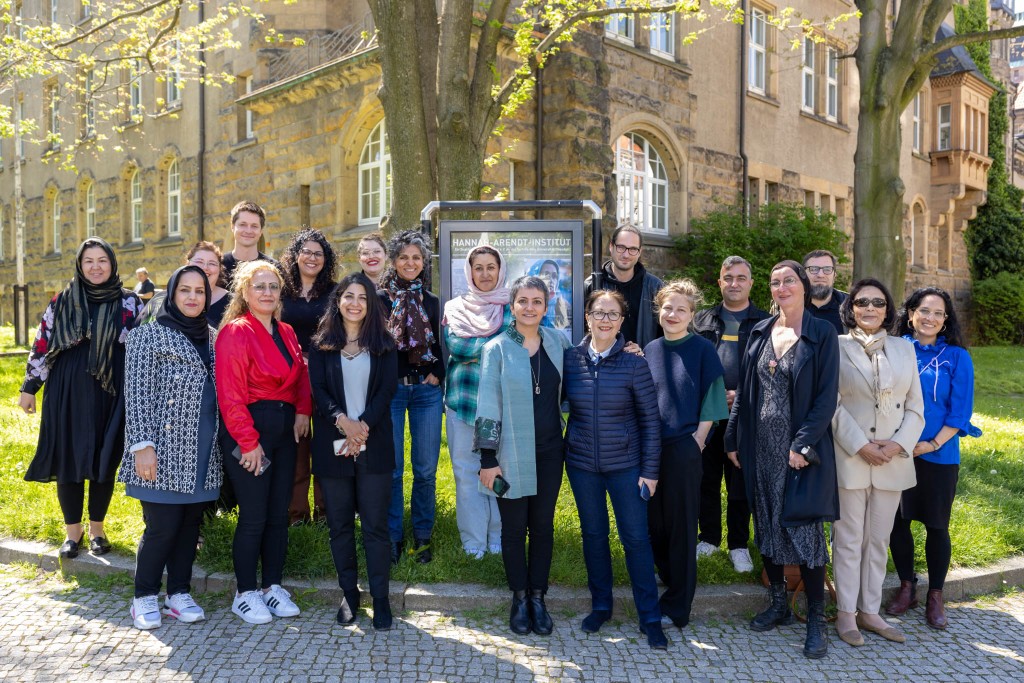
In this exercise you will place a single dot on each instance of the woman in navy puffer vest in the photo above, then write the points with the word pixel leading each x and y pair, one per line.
pixel 613 449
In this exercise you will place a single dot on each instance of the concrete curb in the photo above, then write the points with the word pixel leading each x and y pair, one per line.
pixel 737 600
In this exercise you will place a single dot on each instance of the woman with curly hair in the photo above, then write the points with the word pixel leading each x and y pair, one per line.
pixel 308 267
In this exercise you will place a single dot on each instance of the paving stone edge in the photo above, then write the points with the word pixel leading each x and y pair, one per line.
pixel 736 600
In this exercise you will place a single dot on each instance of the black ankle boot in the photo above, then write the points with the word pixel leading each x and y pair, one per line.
pixel 816 644
pixel 422 551
pixel 519 615
pixel 540 620
pixel 777 614
pixel 349 607
pixel 381 614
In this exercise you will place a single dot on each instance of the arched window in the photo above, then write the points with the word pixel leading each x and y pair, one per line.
pixel 90 210
pixel 173 200
pixel 643 183
pixel 55 217
pixel 136 210
pixel 375 177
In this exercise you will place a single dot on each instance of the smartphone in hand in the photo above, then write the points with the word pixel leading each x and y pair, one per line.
pixel 500 486
pixel 264 464
pixel 645 491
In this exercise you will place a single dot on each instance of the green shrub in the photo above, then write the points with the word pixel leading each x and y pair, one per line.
pixel 999 309
pixel 776 232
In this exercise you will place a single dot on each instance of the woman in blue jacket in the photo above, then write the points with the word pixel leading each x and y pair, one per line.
pixel 690 390
pixel 613 450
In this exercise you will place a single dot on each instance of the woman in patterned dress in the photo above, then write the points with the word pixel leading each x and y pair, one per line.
pixel 79 354
pixel 780 435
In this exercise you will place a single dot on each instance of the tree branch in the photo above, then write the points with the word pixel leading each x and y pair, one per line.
pixel 93 30
pixel 932 50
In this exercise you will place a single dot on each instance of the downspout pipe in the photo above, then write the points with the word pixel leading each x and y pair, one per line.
pixel 742 90
pixel 201 154
pixel 539 161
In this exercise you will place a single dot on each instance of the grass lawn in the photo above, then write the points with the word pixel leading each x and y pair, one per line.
pixel 988 516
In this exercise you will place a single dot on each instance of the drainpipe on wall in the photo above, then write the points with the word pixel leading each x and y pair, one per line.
pixel 539 161
pixel 201 155
pixel 743 113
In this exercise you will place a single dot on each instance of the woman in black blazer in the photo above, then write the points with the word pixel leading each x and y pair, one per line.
pixel 353 368
pixel 780 435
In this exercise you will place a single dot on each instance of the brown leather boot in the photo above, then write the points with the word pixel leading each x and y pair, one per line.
pixel 905 598
pixel 935 611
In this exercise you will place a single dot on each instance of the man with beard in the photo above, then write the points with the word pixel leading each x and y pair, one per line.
pixel 624 273
pixel 820 265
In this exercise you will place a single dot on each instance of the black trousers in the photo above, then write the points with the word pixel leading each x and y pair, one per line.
pixel 532 516
pixel 938 551
pixel 672 522
pixel 169 540
pixel 369 495
pixel 737 510
pixel 262 531
pixel 72 500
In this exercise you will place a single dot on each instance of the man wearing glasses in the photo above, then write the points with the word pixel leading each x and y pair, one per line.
pixel 820 265
pixel 624 273
pixel 247 219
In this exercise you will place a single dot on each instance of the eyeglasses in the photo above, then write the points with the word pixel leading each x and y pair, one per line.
pixel 370 252
pixel 865 302
pixel 204 264
pixel 621 249
pixel 306 253
pixel 814 270
pixel 788 282
pixel 610 316
pixel 263 287
pixel 928 313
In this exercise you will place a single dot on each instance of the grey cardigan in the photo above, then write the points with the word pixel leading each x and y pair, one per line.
pixel 504 413
pixel 163 395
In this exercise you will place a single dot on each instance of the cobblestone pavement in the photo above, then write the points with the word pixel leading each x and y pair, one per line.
pixel 55 630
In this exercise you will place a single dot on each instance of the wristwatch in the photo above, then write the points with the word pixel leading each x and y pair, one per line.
pixel 805 450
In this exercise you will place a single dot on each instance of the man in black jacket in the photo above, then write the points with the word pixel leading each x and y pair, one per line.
pixel 727 326
pixel 820 265
pixel 624 273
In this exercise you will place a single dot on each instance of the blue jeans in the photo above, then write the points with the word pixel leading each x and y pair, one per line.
pixel 590 490
pixel 476 513
pixel 425 405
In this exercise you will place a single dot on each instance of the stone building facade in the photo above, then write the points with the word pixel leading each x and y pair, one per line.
pixel 649 128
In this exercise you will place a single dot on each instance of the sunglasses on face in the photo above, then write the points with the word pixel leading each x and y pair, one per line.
pixel 865 302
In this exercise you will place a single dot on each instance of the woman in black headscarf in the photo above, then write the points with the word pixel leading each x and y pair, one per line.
pixel 79 353
pixel 173 462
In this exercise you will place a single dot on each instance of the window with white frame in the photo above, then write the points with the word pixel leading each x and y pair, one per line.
pixel 757 69
pixel 135 91
pixel 945 127
pixel 173 200
pixel 916 116
pixel 55 217
pixel 248 112
pixel 54 11
pixel 3 234
pixel 173 77
pixel 375 177
pixel 90 210
pixel 662 35
pixel 136 206
pixel 619 26
pixel 53 113
pixel 642 183
pixel 832 84
pixel 21 136
pixel 809 78
pixel 90 103
pixel 85 10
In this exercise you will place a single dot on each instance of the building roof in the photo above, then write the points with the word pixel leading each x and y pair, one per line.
pixel 956 59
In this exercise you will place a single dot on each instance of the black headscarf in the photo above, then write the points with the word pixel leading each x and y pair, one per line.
pixel 72 322
pixel 197 329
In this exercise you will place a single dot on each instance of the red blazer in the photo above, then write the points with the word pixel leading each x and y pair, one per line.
pixel 251 368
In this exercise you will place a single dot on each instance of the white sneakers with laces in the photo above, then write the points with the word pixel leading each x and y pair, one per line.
pixel 146 612
pixel 182 607
pixel 279 602
pixel 250 606
pixel 704 549
pixel 741 561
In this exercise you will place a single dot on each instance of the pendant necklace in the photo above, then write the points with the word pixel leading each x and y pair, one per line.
pixel 536 373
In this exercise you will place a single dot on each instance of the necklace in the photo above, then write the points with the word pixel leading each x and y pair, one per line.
pixel 355 354
pixel 535 373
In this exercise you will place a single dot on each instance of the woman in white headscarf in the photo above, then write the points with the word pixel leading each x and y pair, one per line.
pixel 470 321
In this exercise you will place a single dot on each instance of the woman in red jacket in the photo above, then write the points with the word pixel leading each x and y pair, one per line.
pixel 264 396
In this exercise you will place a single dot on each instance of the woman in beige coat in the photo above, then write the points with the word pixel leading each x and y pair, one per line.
pixel 876 427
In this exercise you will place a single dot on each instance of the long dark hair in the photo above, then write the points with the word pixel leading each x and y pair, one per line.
pixel 951 330
pixel 846 308
pixel 290 265
pixel 373 335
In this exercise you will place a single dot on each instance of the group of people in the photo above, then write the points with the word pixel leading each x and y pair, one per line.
pixel 838 408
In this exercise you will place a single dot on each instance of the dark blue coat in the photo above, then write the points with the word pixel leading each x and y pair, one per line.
pixel 614 422
pixel 812 494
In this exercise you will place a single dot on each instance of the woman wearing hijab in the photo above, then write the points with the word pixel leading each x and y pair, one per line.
pixel 79 354
pixel 414 321
pixel 173 463
pixel 470 321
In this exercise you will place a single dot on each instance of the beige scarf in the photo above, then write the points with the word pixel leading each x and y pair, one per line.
pixel 874 346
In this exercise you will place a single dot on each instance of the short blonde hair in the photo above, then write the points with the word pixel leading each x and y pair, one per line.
pixel 240 281
pixel 685 287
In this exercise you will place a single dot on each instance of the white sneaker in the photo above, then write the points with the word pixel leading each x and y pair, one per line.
pixel 250 606
pixel 279 602
pixel 704 549
pixel 182 607
pixel 741 561
pixel 146 612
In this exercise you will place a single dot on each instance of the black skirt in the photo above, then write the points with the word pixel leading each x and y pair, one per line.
pixel 931 501
pixel 81 429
